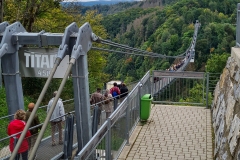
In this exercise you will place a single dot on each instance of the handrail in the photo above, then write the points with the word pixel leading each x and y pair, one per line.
pixel 39 125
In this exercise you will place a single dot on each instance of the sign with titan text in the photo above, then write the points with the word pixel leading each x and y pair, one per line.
pixel 38 62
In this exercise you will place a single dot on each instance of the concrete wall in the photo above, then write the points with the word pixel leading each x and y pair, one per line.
pixel 226 110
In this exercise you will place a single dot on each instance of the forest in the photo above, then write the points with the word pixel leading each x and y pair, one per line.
pixel 160 26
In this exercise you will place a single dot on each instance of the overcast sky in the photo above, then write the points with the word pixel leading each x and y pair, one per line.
pixel 82 0
pixel 90 0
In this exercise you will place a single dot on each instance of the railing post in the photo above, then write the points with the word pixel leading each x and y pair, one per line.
pixel 152 84
pixel 95 120
pixel 68 137
pixel 238 25
pixel 139 100
pixel 15 140
pixel 115 103
pixel 108 141
pixel 207 89
pixel 127 121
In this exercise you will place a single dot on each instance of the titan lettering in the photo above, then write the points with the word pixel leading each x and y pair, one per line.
pixel 34 60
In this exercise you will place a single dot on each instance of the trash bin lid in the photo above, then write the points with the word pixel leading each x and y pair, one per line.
pixel 146 96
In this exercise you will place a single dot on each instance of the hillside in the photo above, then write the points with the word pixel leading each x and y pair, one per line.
pixel 168 30
pixel 165 29
pixel 111 7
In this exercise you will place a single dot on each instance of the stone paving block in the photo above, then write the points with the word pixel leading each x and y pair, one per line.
pixel 181 157
pixel 167 158
pixel 150 149
pixel 151 156
pixel 158 154
pixel 170 148
pixel 209 157
pixel 172 153
pixel 134 148
pixel 131 154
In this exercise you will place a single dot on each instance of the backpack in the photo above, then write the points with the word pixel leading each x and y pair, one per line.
pixel 114 94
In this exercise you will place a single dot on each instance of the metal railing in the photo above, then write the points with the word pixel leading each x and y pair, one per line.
pixel 113 133
pixel 238 24
pixel 54 152
pixel 45 149
pixel 175 87
pixel 213 80
pixel 184 88
pixel 42 113
pixel 111 137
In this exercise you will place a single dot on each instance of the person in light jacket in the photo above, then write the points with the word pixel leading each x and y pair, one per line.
pixel 108 104
pixel 57 118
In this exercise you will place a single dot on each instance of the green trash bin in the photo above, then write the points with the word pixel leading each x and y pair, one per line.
pixel 145 106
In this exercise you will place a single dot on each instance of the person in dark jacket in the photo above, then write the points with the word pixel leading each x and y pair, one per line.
pixel 124 91
pixel 35 122
pixel 15 126
pixel 97 98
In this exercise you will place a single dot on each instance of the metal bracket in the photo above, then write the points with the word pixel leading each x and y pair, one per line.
pixel 3 50
pixel 3 26
pixel 7 37
pixel 95 38
pixel 10 74
pixel 83 42
pixel 39 38
pixel 69 30
pixel 80 76
pixel 76 52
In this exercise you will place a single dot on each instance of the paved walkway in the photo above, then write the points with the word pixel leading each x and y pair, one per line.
pixel 172 133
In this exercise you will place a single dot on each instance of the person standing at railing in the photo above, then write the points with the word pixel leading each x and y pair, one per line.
pixel 15 126
pixel 35 122
pixel 108 107
pixel 124 91
pixel 97 98
pixel 57 118
pixel 115 91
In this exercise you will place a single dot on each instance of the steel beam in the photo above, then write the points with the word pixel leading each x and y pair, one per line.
pixel 10 68
pixel 3 26
pixel 81 85
pixel 238 26
pixel 182 74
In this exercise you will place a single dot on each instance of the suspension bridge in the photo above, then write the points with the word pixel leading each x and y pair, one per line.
pixel 84 139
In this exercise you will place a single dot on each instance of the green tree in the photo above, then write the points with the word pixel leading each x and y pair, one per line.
pixel 27 11
pixel 196 95
pixel 216 62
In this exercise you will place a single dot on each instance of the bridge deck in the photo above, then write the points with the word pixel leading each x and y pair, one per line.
pixel 172 132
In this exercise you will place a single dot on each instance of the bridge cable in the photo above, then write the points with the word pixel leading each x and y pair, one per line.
pixel 137 54
pixel 133 49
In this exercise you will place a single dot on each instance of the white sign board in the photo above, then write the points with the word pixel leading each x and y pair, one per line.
pixel 38 62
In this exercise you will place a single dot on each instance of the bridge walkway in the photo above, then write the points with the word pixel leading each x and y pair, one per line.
pixel 172 133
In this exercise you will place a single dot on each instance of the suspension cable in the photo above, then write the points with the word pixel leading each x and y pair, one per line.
pixel 137 54
pixel 144 53
pixel 107 42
